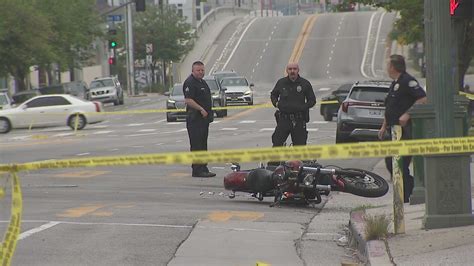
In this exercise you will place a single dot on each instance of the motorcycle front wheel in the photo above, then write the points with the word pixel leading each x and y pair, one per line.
pixel 363 183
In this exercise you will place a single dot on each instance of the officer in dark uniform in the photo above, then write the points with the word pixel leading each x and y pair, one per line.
pixel 404 92
pixel 293 96
pixel 197 97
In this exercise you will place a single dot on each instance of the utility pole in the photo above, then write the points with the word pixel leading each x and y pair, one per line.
pixel 130 58
pixel 447 177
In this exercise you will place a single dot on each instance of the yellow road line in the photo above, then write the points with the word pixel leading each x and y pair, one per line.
pixel 223 216
pixel 80 211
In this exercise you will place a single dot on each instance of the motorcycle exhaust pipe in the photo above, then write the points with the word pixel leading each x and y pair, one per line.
pixel 324 187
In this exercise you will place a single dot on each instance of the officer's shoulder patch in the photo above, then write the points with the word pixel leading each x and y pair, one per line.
pixel 412 83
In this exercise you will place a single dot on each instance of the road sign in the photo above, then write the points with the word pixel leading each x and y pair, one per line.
pixel 114 18
pixel 149 48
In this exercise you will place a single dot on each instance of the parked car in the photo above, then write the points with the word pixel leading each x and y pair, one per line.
pixel 175 101
pixel 75 88
pixel 23 96
pixel 361 114
pixel 106 90
pixel 218 95
pixel 238 90
pixel 224 74
pixel 330 104
pixel 5 100
pixel 51 110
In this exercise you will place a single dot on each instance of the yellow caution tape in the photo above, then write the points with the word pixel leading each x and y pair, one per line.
pixel 10 239
pixel 470 96
pixel 329 102
pixel 339 151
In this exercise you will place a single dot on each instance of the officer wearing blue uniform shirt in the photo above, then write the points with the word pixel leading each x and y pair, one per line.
pixel 405 91
pixel 197 97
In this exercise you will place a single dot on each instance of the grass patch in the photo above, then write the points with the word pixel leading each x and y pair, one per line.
pixel 377 226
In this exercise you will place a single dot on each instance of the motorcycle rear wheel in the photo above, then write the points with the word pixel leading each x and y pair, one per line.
pixel 367 184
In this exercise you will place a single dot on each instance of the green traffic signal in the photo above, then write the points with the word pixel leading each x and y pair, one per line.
pixel 112 44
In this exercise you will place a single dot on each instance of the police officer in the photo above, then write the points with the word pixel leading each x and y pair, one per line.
pixel 293 96
pixel 404 92
pixel 197 97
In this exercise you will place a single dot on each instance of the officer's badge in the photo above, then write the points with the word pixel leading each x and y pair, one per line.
pixel 413 84
pixel 298 89
pixel 396 87
pixel 187 89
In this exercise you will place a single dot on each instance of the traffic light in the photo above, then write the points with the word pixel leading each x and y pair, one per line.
pixel 140 5
pixel 112 44
pixel 112 60
pixel 461 8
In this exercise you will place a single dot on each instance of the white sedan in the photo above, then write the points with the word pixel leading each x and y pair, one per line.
pixel 51 110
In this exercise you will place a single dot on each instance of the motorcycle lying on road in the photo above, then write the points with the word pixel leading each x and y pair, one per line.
pixel 303 182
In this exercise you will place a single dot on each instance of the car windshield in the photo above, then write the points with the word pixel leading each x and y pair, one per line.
pixel 102 83
pixel 234 82
pixel 212 84
pixel 369 94
pixel 177 90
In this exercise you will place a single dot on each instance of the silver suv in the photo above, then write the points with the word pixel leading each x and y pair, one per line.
pixel 361 114
pixel 106 90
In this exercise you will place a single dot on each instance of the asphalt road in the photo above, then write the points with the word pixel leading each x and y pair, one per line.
pixel 141 215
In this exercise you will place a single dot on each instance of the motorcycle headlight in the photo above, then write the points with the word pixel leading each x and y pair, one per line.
pixel 249 92
pixel 308 180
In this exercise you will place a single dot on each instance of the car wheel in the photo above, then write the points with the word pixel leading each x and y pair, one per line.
pixel 117 102
pixel 341 138
pixel 224 113
pixel 327 114
pixel 251 102
pixel 81 121
pixel 5 125
pixel 121 101
pixel 170 119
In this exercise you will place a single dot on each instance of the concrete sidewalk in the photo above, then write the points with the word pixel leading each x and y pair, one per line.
pixel 418 246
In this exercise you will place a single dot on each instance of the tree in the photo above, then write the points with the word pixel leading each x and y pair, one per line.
pixel 76 24
pixel 169 33
pixel 24 39
pixel 410 29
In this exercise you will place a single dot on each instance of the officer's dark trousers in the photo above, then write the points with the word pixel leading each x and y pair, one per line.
pixel 408 179
pixel 285 127
pixel 198 132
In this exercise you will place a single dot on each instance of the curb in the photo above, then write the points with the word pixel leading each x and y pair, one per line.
pixel 372 252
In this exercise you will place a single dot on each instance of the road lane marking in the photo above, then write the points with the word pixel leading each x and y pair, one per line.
pixel 103 132
pixel 247 122
pixel 90 223
pixel 147 130
pixel 143 134
pixel 238 43
pixel 364 57
pixel 267 129
pixel 229 128
pixel 223 216
pixel 324 89
pixel 82 174
pixel 80 211
pixel 312 129
pixel 37 230
pixel 135 125
pixel 83 154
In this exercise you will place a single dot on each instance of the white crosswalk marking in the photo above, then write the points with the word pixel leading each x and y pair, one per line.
pixel 319 122
pixel 103 132
pixel 147 130
pixel 63 134
pixel 247 122
pixel 99 126
pixel 267 129
pixel 135 125
pixel 229 128
pixel 181 130
pixel 324 89
pixel 312 129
